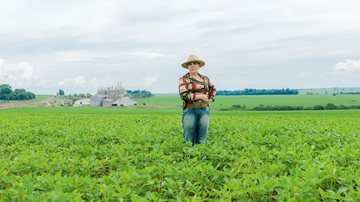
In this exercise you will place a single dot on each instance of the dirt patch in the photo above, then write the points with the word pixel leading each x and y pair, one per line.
pixel 4 105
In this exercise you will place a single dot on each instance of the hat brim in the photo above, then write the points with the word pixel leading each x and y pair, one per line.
pixel 185 64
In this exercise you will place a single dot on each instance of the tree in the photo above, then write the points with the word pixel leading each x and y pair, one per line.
pixel 330 106
pixel 19 94
pixel 61 92
pixel 5 91
pixel 140 93
pixel 31 95
pixel 250 91
pixel 318 107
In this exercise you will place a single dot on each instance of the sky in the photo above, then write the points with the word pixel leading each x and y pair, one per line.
pixel 81 46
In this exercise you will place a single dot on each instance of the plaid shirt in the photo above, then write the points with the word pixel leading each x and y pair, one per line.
pixel 190 87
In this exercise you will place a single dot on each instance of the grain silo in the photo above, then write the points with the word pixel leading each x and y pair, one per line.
pixel 96 100
pixel 107 102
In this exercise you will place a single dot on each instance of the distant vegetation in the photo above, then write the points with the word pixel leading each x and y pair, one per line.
pixel 276 107
pixel 350 93
pixel 261 107
pixel 330 91
pixel 61 92
pixel 140 93
pixel 250 91
pixel 6 93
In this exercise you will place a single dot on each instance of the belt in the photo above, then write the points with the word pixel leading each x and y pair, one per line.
pixel 196 105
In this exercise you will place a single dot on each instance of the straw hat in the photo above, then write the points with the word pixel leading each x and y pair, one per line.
pixel 192 58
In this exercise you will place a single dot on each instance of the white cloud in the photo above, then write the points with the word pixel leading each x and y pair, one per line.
pixel 151 79
pixel 77 81
pixel 156 55
pixel 28 70
pixel 19 75
pixel 83 84
pixel 83 81
pixel 2 61
pixel 347 66
pixel 95 56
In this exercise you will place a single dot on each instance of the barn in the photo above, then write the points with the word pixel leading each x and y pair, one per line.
pixel 124 101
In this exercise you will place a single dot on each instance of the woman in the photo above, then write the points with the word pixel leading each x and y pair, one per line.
pixel 196 92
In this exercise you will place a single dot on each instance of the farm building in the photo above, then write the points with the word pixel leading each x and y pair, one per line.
pixel 111 97
pixel 124 101
pixel 96 100
pixel 82 102
pixel 107 102
pixel 58 101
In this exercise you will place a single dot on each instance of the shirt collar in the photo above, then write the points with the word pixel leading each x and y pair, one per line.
pixel 188 75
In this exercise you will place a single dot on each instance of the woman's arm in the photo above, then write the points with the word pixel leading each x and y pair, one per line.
pixel 184 92
pixel 212 91
pixel 188 96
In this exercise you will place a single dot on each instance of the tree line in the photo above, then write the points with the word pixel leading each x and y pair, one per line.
pixel 6 93
pixel 140 93
pixel 251 91
pixel 350 93
pixel 261 107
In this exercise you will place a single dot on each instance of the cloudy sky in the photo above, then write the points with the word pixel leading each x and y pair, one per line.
pixel 80 46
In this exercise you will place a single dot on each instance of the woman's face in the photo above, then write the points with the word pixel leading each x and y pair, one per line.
pixel 193 67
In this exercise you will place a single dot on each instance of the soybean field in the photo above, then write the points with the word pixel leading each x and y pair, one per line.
pixel 99 154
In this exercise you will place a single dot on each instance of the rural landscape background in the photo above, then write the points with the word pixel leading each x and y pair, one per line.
pixel 63 137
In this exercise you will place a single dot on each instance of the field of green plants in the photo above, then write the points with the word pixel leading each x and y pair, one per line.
pixel 250 101
pixel 84 154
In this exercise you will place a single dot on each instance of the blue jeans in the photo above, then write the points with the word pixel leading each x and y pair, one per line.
pixel 195 123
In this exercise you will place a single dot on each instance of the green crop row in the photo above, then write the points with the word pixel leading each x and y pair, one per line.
pixel 110 157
